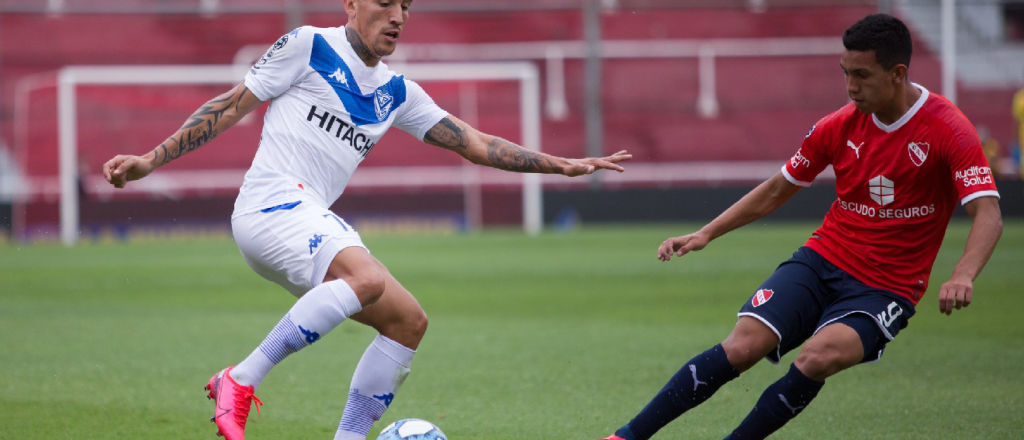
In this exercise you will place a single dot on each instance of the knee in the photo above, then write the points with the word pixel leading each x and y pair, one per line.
pixel 408 330
pixel 748 343
pixel 742 354
pixel 367 285
pixel 819 363
pixel 417 326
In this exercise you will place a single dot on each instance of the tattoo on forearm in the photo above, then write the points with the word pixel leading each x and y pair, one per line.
pixel 508 156
pixel 200 128
pixel 447 135
pixel 357 45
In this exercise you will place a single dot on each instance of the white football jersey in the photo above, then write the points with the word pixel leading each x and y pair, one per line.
pixel 327 112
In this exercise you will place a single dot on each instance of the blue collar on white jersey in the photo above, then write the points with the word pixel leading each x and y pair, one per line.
pixel 373 108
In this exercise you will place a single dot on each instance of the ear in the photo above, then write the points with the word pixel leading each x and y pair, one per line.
pixel 350 7
pixel 899 74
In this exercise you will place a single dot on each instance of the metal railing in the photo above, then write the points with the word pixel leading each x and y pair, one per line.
pixel 208 7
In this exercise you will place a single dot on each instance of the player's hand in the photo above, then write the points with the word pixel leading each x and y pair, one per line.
pixel 577 167
pixel 123 169
pixel 682 245
pixel 955 293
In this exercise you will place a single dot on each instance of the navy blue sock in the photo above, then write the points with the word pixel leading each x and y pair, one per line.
pixel 780 403
pixel 691 386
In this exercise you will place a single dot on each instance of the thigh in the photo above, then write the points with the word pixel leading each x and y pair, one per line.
pixel 877 317
pixel 292 245
pixel 789 302
pixel 395 312
pixel 871 337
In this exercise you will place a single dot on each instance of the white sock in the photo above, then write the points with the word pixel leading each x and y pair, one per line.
pixel 314 315
pixel 379 375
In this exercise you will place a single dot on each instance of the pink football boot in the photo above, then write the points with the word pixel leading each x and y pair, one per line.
pixel 233 403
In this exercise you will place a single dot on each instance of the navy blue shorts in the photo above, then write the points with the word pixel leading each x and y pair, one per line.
pixel 807 292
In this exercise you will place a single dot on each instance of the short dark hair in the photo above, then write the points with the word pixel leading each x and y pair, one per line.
pixel 884 34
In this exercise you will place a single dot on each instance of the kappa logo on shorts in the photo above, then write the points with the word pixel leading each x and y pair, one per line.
pixel 315 242
pixel 762 296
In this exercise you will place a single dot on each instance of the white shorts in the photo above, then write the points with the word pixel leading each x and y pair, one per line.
pixel 293 244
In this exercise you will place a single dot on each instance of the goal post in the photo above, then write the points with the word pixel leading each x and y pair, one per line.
pixel 70 77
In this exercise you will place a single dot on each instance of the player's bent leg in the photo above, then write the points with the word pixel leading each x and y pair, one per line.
pixel 699 379
pixel 780 403
pixel 385 364
pixel 750 341
pixel 832 349
pixel 275 243
pixel 316 313
pixel 311 317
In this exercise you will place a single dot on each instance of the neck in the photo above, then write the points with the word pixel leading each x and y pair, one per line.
pixel 369 58
pixel 906 98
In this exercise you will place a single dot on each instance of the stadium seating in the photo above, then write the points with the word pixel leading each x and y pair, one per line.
pixel 767 104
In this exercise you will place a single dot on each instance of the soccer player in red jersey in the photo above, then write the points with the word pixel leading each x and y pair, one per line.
pixel 903 157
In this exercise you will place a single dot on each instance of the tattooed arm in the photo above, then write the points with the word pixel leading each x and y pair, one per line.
pixel 495 152
pixel 205 124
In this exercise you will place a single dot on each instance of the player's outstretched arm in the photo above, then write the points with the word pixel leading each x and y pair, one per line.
pixel 759 202
pixel 205 124
pixel 484 149
pixel 986 228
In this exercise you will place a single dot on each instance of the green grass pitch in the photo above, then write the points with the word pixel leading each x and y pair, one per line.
pixel 556 337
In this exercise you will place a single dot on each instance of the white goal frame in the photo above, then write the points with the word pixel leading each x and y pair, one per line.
pixel 70 77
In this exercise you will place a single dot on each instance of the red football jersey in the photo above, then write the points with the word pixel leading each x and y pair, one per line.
pixel 897 187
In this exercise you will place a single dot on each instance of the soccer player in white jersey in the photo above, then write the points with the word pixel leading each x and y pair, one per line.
pixel 903 158
pixel 331 100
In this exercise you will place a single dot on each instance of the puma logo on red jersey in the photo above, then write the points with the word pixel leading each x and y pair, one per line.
pixel 856 148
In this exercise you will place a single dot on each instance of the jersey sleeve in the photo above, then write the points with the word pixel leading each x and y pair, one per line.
pixel 972 175
pixel 281 66
pixel 419 113
pixel 813 156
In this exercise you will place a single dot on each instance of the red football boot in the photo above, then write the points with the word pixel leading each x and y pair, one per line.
pixel 233 403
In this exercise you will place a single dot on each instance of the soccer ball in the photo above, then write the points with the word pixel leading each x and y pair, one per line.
pixel 411 429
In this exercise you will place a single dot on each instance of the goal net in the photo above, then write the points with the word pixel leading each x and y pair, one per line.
pixel 108 110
